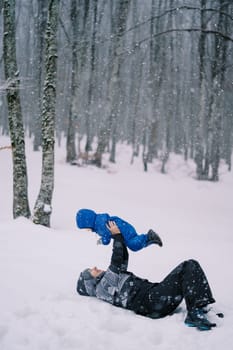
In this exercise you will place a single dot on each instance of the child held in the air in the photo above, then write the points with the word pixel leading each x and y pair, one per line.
pixel 88 219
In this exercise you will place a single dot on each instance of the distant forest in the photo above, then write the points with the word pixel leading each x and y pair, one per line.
pixel 157 74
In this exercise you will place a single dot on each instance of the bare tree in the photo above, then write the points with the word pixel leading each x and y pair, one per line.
pixel 92 76
pixel 216 102
pixel 38 62
pixel 20 194
pixel 119 22
pixel 115 89
pixel 71 132
pixel 43 208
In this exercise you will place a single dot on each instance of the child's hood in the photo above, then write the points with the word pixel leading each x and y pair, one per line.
pixel 85 218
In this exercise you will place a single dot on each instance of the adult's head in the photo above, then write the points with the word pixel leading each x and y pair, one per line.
pixel 88 280
pixel 85 218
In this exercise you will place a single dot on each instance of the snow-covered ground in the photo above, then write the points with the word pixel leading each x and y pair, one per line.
pixel 39 306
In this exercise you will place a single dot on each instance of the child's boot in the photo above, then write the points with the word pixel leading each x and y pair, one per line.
pixel 153 238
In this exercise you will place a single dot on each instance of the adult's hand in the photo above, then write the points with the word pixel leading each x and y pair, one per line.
pixel 113 228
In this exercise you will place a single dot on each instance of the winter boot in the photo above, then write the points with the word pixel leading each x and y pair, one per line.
pixel 153 237
pixel 196 318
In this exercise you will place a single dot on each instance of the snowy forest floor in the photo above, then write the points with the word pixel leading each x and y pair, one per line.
pixel 40 308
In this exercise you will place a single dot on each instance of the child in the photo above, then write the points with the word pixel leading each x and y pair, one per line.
pixel 98 223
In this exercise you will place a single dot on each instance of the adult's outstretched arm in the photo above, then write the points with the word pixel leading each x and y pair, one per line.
pixel 120 256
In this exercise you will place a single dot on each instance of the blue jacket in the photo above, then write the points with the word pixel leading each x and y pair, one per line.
pixel 87 218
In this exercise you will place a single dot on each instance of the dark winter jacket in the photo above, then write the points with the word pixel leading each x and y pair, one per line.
pixel 87 218
pixel 120 287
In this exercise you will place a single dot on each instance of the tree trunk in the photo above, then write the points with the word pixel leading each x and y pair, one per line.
pixel 218 86
pixel 199 148
pixel 115 83
pixel 156 74
pixel 20 183
pixel 92 77
pixel 43 209
pixel 70 142
pixel 40 25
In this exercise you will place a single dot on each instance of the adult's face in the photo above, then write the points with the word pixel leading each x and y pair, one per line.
pixel 95 272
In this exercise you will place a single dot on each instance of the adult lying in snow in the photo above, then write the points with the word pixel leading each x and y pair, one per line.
pixel 88 219
pixel 122 288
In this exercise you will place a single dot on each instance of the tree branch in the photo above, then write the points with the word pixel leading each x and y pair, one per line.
pixel 64 30
pixel 207 31
pixel 184 7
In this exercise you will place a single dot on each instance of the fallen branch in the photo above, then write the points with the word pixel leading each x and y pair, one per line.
pixel 5 147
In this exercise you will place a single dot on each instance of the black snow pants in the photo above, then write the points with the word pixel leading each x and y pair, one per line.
pixel 187 281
